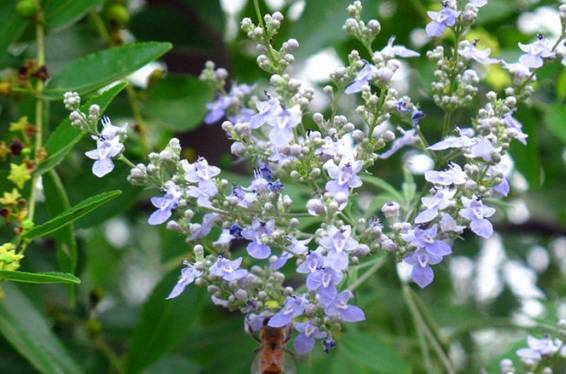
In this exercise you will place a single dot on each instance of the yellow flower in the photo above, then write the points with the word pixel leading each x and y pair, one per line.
pixel 10 198
pixel 9 259
pixel 19 125
pixel 4 150
pixel 19 174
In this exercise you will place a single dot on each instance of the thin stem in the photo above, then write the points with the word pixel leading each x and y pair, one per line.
pixel 103 347
pixel 266 42
pixel 371 271
pixel 39 104
pixel 420 323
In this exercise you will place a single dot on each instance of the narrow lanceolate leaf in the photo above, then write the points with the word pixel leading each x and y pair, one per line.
pixel 12 25
pixel 71 215
pixel 29 333
pixel 65 136
pixel 98 69
pixel 382 185
pixel 61 13
pixel 163 323
pixel 46 277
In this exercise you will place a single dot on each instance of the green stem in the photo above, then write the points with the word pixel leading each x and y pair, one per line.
pixel 371 271
pixel 420 323
pixel 39 104
pixel 103 347
pixel 266 42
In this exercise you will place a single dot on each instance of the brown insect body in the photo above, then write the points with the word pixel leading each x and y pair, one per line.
pixel 272 352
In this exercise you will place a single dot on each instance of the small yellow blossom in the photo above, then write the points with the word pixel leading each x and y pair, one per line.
pixel 10 198
pixel 9 259
pixel 19 174
pixel 4 150
pixel 19 125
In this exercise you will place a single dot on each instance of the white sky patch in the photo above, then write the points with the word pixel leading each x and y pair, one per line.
pixel 488 283
pixel 418 38
pixel 232 6
pixel 521 280
pixel 117 232
pixel 404 270
pixel 538 258
pixel 140 77
pixel 518 211
pixel 461 271
pixel 418 163
pixel 545 20
pixel 318 67
pixel 296 10
pixel 275 4
pixel 519 182
pixel 400 80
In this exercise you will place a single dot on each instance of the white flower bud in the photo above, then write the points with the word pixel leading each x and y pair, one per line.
pixel 315 207
pixel 391 211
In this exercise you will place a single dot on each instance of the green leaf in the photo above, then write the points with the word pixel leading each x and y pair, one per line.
pixel 383 185
pixel 368 351
pixel 98 69
pixel 72 214
pixel 561 85
pixel 12 25
pixel 45 277
pixel 177 102
pixel 327 15
pixel 163 323
pixel 65 136
pixel 526 157
pixel 30 334
pixel 555 119
pixel 61 13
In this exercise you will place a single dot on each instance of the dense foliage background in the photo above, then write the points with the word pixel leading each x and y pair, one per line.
pixel 481 301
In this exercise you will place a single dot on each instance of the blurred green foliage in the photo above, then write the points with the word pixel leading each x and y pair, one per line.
pixel 117 319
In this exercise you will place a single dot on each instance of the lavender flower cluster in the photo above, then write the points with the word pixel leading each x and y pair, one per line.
pixel 329 164
pixel 540 355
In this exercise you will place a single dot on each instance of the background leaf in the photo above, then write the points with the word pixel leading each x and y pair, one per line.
pixel 72 214
pixel 12 25
pixel 62 13
pixel 96 70
pixel 177 102
pixel 30 334
pixel 45 277
pixel 163 323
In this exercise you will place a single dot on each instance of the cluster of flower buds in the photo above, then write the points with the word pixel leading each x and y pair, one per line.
pixel 541 355
pixel 326 167
pixel 109 141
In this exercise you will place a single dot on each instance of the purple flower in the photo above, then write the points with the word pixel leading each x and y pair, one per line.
pixel 282 125
pixel 339 308
pixel 199 231
pixel 453 142
pixel 203 192
pixel 391 50
pixel 338 243
pixel 426 239
pixel 105 150
pixel 243 197
pixel 517 69
pixel 324 280
pixel 535 52
pixel 483 148
pixel 312 263
pixel 442 199
pixel 449 224
pixel 440 20
pixel 453 175
pixel 292 308
pixel 407 138
pixel 199 171
pixel 421 260
pixel 165 204
pixel 229 270
pixel 280 261
pixel 476 213
pixel 256 233
pixel 478 3
pixel 188 276
pixel 224 239
pixel 515 128
pixel 539 348
pixel 502 188
pixel 344 176
pixel 299 247
pixel 362 79
pixel 217 109
pixel 470 52
pixel 308 332
pixel 109 131
pixel 265 111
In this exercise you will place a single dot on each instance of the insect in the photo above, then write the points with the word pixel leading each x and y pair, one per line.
pixel 272 355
